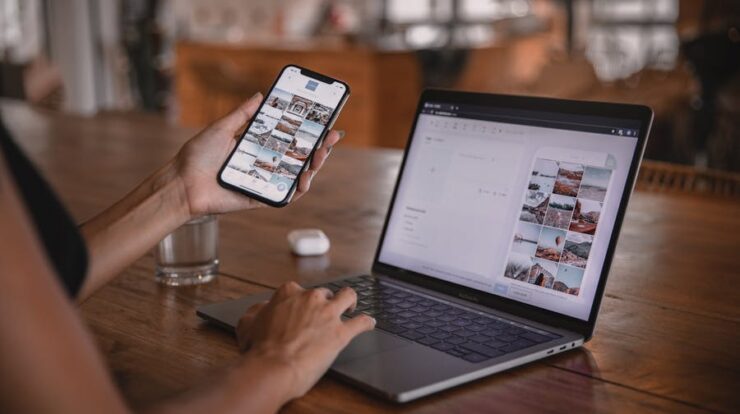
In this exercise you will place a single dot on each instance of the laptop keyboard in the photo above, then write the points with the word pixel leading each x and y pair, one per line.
pixel 470 335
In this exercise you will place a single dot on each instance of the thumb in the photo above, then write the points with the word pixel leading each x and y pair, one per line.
pixel 239 116
pixel 358 325
pixel 244 327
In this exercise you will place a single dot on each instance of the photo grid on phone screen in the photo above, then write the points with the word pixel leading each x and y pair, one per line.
pixel 557 223
pixel 280 138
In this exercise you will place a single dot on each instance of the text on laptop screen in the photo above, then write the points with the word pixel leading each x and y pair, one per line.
pixel 520 204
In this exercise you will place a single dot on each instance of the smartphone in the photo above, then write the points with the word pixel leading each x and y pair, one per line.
pixel 278 143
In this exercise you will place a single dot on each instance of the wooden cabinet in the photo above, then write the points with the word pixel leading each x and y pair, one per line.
pixel 210 80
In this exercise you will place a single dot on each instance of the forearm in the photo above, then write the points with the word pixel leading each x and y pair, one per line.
pixel 259 384
pixel 124 232
pixel 45 340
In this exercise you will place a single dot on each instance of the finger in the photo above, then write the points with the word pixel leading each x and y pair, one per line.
pixel 329 293
pixel 246 320
pixel 345 299
pixel 256 308
pixel 304 182
pixel 332 138
pixel 317 161
pixel 244 327
pixel 287 290
pixel 323 152
pixel 252 312
pixel 239 117
pixel 321 292
pixel 359 324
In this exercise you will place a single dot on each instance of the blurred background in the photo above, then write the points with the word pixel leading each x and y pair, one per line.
pixel 190 61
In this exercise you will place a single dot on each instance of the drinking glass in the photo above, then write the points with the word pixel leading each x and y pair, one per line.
pixel 189 255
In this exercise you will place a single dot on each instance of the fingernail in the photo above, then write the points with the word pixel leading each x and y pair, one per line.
pixel 341 134
pixel 256 95
pixel 328 150
pixel 374 321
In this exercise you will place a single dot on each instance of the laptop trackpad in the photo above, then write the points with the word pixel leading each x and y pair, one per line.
pixel 369 343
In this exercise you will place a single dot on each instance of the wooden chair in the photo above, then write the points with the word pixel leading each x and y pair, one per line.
pixel 666 177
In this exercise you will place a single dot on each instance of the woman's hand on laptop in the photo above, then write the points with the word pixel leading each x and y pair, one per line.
pixel 199 160
pixel 301 332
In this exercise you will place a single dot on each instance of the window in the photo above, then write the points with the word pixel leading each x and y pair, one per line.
pixel 436 23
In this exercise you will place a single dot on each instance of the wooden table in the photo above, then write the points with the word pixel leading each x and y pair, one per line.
pixel 667 337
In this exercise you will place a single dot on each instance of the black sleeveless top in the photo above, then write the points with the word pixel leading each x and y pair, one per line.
pixel 61 239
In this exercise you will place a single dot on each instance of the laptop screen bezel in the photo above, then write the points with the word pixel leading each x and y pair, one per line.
pixel 642 114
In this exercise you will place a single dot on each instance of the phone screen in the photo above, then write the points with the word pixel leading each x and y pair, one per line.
pixel 274 149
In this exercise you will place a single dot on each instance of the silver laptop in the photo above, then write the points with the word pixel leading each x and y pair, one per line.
pixel 497 242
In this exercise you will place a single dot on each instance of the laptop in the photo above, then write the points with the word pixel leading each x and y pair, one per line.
pixel 497 241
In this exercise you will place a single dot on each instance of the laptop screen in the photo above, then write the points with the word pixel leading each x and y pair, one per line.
pixel 516 203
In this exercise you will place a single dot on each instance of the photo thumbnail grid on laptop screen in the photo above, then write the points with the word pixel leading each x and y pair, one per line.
pixel 522 209
pixel 271 154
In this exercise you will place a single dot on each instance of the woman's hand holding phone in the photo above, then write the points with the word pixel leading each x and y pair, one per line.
pixel 274 152
pixel 199 160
